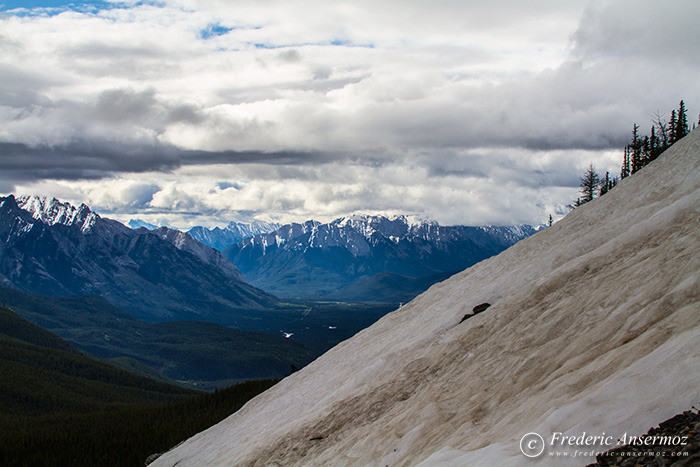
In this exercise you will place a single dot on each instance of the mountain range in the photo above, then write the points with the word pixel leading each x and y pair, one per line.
pixel 234 232
pixel 593 329
pixel 337 260
pixel 53 248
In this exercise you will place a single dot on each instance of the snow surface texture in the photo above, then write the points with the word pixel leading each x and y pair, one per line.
pixel 594 326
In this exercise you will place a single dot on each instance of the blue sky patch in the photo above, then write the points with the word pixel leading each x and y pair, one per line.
pixel 57 6
pixel 214 30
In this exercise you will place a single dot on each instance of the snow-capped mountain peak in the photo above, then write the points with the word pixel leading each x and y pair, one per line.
pixel 234 232
pixel 138 223
pixel 51 247
pixel 52 211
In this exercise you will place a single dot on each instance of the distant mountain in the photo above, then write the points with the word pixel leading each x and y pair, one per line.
pixel 138 223
pixel 50 247
pixel 315 260
pixel 221 239
pixel 184 242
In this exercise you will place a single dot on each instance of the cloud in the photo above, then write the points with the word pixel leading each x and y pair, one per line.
pixel 448 109
pixel 666 31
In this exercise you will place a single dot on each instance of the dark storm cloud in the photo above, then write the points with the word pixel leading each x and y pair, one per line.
pixel 86 160
pixel 81 160
pixel 241 157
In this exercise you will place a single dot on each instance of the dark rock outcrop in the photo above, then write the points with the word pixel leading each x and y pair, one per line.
pixel 675 442
pixel 475 311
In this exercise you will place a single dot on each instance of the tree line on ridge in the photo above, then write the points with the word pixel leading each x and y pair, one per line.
pixel 639 152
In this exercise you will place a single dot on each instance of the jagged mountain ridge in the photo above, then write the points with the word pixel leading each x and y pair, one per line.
pixel 51 211
pixel 314 260
pixel 234 232
pixel 584 316
pixel 49 247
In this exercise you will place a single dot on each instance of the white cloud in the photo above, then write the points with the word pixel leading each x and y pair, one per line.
pixel 467 112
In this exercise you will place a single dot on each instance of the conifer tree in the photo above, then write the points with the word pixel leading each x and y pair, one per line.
pixel 642 150
pixel 636 148
pixel 681 122
pixel 589 184
pixel 654 145
pixel 625 171
pixel 672 127
pixel 605 184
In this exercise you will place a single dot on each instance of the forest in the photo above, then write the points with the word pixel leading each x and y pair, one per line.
pixel 60 406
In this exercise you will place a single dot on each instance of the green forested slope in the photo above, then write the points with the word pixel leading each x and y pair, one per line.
pixel 202 355
pixel 59 407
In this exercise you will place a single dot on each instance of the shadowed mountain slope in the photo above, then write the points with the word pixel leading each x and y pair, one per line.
pixel 53 248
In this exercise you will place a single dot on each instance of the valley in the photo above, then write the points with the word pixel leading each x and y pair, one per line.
pixel 156 301
pixel 195 354
pixel 60 407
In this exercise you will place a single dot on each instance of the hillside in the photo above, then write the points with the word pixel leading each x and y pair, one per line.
pixel 53 248
pixel 594 326
pixel 12 325
pixel 316 260
pixel 42 374
pixel 200 354
pixel 59 407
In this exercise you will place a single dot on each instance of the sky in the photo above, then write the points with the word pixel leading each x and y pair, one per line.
pixel 183 112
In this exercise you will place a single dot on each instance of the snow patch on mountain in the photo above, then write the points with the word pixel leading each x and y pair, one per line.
pixel 138 223
pixel 234 232
pixel 52 211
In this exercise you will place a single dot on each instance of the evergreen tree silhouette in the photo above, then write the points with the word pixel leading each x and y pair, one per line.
pixel 682 128
pixel 589 184
pixel 605 184
pixel 636 148
pixel 673 126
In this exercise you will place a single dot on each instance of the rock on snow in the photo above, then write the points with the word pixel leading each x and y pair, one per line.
pixel 594 326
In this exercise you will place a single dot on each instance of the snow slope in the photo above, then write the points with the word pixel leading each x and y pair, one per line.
pixel 594 326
